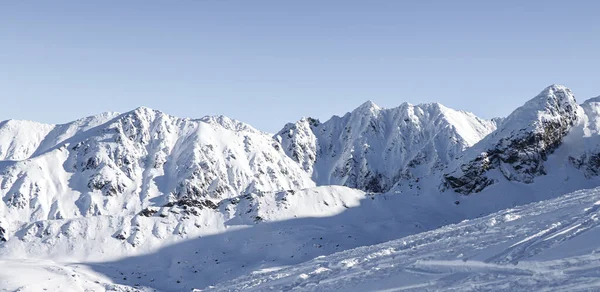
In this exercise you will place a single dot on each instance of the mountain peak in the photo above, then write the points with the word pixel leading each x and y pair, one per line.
pixel 520 146
pixel 593 99
pixel 550 104
pixel 368 106
pixel 144 110
pixel 228 123
pixel 555 87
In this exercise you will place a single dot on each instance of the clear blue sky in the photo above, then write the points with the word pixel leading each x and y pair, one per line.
pixel 270 62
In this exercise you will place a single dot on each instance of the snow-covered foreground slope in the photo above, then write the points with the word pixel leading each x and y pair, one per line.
pixel 27 275
pixel 549 245
pixel 100 238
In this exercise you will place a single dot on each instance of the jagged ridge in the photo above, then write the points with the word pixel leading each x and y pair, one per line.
pixel 372 148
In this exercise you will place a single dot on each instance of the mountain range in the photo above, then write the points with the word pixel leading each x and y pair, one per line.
pixel 203 201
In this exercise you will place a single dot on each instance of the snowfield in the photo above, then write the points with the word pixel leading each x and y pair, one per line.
pixel 546 246
pixel 44 275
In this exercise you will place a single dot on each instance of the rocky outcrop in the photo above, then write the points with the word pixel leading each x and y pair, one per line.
pixel 2 234
pixel 519 148
pixel 589 164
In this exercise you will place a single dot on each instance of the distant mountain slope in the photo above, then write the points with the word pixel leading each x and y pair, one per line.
pixel 372 148
pixel 120 164
pixel 22 139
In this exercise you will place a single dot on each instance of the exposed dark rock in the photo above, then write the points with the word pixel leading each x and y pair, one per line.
pixel 148 212
pixel 374 184
pixel 520 155
pixel 2 234
pixel 120 236
pixel 187 204
pixel 588 163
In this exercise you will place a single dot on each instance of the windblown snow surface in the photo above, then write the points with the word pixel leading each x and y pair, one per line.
pixel 376 200
pixel 547 246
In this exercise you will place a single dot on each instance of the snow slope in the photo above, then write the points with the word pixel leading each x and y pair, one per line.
pixel 550 245
pixel 43 275
pixel 23 139
pixel 133 161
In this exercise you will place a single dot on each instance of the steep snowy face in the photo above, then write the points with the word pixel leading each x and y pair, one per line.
pixel 519 147
pixel 591 108
pixel 136 160
pixel 372 148
pixel 585 153
pixel 300 143
pixel 21 139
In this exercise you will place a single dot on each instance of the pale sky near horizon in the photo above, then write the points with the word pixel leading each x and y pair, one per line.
pixel 271 62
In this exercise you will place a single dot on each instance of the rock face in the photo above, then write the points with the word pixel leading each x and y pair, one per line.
pixel 2 234
pixel 520 146
pixel 372 148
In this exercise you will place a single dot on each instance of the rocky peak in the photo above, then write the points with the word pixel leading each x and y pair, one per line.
pixel 144 111
pixel 121 164
pixel 372 148
pixel 555 104
pixel 229 124
pixel 367 107
pixel 299 142
pixel 592 100
pixel 520 146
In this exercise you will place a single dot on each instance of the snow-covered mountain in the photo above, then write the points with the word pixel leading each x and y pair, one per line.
pixel 119 165
pixel 142 161
pixel 519 148
pixel 139 184
pixel 550 140
pixel 372 148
